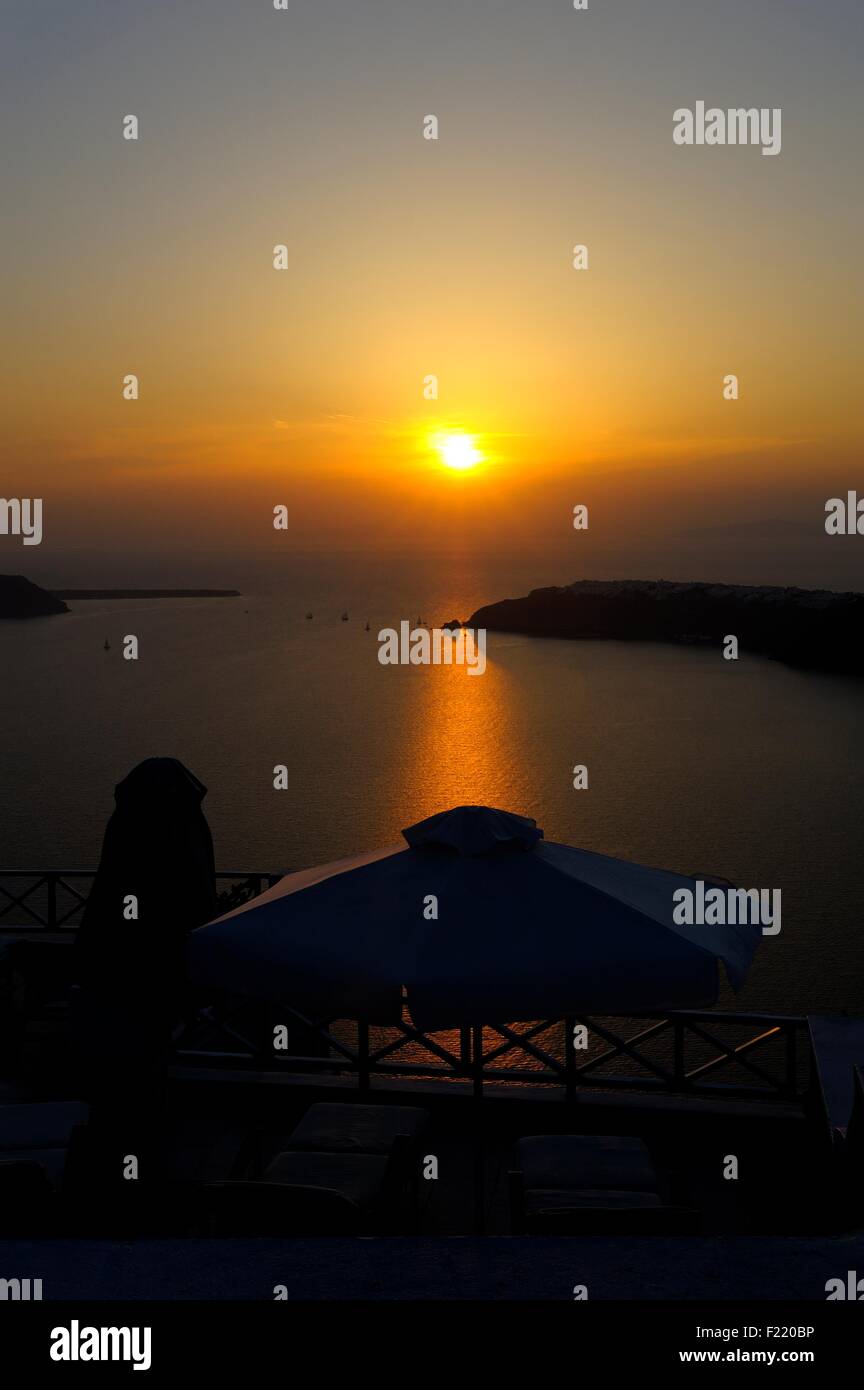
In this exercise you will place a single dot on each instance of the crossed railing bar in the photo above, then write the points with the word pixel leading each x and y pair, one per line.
pixel 476 1061
pixel 53 881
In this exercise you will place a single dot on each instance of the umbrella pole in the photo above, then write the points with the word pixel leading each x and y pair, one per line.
pixel 479 1151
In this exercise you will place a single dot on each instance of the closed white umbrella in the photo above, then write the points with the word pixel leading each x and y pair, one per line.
pixel 478 918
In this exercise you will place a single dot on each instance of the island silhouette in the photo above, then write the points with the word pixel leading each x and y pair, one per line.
pixel 815 629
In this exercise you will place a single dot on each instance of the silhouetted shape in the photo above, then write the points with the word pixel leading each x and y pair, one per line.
pixel 157 851
pixel 811 628
pixel 21 599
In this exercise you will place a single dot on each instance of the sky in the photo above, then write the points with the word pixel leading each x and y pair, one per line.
pixel 409 257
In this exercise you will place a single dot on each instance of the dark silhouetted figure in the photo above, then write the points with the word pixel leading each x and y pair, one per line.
pixel 154 884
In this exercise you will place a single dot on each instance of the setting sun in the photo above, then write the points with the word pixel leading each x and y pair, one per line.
pixel 457 450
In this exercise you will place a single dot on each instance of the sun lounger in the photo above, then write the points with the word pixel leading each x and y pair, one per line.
pixel 855 1128
pixel 28 1196
pixel 361 1129
pixel 850 1195
pixel 590 1185
pixel 40 1132
pixel 302 1194
pixel 344 1169
pixel 40 1124
pixel 34 1145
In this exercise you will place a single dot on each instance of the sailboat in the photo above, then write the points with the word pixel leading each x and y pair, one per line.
pixel 345 617
pixel 107 647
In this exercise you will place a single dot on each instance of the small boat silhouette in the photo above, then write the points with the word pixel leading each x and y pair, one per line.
pixel 344 617
pixel 368 629
pixel 308 615
pixel 107 647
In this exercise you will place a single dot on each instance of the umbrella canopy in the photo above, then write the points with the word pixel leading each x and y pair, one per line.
pixel 479 920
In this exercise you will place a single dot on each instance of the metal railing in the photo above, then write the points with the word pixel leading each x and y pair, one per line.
pixel 53 899
pixel 697 1053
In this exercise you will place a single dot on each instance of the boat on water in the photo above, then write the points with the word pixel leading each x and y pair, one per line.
pixel 308 615
pixel 345 617
pixel 107 646
pixel 368 629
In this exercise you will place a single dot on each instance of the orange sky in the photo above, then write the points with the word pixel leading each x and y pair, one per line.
pixel 409 257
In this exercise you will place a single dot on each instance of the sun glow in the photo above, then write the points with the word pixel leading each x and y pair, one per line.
pixel 457 450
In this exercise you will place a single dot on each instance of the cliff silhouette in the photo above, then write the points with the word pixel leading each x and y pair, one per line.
pixel 19 598
pixel 814 629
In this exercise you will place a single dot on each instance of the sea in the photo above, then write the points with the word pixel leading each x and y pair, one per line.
pixel 745 769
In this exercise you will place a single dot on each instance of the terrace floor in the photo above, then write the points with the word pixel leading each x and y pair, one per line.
pixel 793 1268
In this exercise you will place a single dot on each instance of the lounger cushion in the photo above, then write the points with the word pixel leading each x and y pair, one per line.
pixel 586 1162
pixel 41 1124
pixel 357 1177
pixel 356 1129
pixel 49 1162
pixel 578 1199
